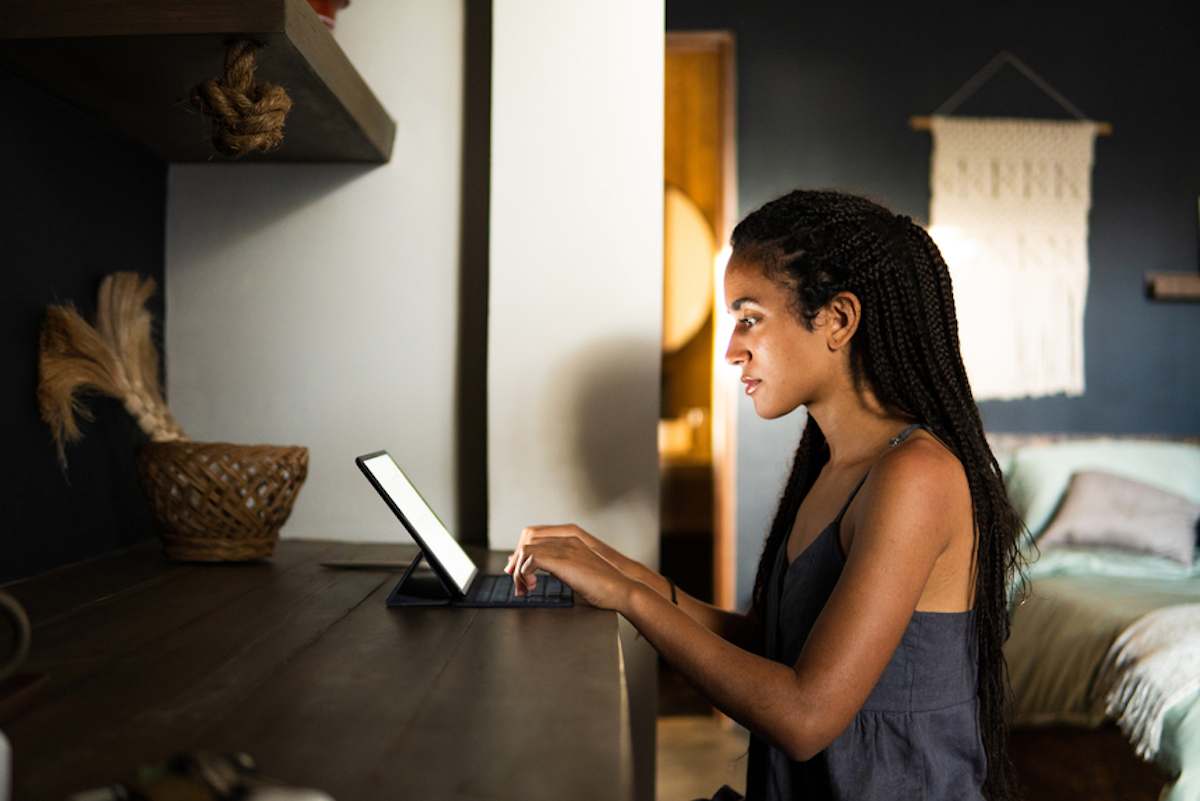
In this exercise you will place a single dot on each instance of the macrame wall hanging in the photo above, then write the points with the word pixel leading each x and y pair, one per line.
pixel 1009 211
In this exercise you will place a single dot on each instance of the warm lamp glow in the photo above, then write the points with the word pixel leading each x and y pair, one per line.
pixel 688 245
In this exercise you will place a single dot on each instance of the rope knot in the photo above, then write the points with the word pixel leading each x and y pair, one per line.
pixel 246 115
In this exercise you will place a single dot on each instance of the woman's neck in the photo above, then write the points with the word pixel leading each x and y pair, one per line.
pixel 856 428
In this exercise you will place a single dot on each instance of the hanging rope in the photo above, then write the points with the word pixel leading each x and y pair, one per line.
pixel 246 115
pixel 978 79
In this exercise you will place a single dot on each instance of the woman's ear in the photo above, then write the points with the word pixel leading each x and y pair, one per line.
pixel 843 313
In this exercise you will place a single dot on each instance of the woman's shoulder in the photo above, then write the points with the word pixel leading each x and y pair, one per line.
pixel 921 459
pixel 920 478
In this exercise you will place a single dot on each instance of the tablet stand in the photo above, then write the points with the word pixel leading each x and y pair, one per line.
pixel 424 589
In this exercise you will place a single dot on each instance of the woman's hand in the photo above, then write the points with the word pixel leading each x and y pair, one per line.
pixel 566 530
pixel 564 552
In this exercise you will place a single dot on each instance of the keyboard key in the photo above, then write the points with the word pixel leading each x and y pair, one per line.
pixel 500 591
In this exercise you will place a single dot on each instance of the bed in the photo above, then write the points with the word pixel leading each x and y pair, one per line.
pixel 1088 720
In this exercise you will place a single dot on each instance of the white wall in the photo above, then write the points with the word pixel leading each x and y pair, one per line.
pixel 317 304
pixel 575 289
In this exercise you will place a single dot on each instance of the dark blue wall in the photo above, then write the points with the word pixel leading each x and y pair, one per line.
pixel 824 97
pixel 78 202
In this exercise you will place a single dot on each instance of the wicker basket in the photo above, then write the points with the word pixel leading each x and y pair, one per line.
pixel 216 501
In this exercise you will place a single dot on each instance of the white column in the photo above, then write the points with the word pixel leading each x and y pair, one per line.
pixel 575 288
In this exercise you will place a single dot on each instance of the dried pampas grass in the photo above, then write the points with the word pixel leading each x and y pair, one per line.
pixel 116 357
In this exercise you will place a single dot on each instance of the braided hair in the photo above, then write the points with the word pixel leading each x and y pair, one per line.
pixel 819 243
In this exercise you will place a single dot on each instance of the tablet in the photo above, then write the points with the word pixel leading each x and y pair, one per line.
pixel 442 551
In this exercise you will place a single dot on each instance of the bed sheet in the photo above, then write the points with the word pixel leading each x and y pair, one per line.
pixel 1060 635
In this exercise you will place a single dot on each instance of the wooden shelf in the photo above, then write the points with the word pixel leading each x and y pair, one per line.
pixel 134 64
pixel 1173 286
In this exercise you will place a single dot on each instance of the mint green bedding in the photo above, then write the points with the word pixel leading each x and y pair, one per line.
pixel 1079 601
pixel 1081 598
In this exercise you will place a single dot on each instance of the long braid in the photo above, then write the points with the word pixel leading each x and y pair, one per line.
pixel 906 349
pixel 811 454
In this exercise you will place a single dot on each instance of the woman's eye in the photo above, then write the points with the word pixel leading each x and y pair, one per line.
pixel 747 321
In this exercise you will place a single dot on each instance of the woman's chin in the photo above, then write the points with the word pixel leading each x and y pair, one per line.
pixel 770 411
pixel 764 410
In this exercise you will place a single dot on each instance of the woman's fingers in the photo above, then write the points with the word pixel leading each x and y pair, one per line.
pixel 515 559
pixel 513 568
pixel 526 579
pixel 525 574
pixel 518 587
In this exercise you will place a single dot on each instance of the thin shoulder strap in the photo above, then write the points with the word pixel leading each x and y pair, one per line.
pixel 893 442
pixel 903 435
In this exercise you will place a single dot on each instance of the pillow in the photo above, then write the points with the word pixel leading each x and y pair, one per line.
pixel 1039 474
pixel 1108 510
pixel 1101 561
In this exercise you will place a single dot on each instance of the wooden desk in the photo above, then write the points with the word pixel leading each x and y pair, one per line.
pixel 305 669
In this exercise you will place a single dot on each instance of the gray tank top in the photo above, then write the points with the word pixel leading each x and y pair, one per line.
pixel 916 737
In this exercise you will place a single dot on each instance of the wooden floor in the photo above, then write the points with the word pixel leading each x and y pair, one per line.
pixel 696 754
pixel 1062 763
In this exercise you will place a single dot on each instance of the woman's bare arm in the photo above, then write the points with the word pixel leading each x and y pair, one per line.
pixel 737 628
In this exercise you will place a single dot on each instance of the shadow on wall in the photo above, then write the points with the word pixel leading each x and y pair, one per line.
pixel 246 199
pixel 614 399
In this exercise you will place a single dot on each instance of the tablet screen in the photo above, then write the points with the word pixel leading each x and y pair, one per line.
pixel 424 524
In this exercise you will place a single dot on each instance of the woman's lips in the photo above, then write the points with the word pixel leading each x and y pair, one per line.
pixel 751 385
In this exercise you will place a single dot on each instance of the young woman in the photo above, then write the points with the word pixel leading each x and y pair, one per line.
pixel 869 665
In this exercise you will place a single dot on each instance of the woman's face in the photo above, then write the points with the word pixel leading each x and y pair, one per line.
pixel 783 364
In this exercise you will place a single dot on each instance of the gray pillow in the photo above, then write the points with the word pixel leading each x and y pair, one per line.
pixel 1102 508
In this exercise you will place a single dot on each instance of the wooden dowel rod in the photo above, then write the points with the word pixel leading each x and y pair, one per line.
pixel 1172 286
pixel 922 123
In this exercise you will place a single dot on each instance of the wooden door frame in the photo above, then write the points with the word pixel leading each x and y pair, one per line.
pixel 724 386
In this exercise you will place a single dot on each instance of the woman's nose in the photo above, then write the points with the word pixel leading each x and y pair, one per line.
pixel 735 354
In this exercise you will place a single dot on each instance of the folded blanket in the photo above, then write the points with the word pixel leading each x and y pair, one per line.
pixel 1152 664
